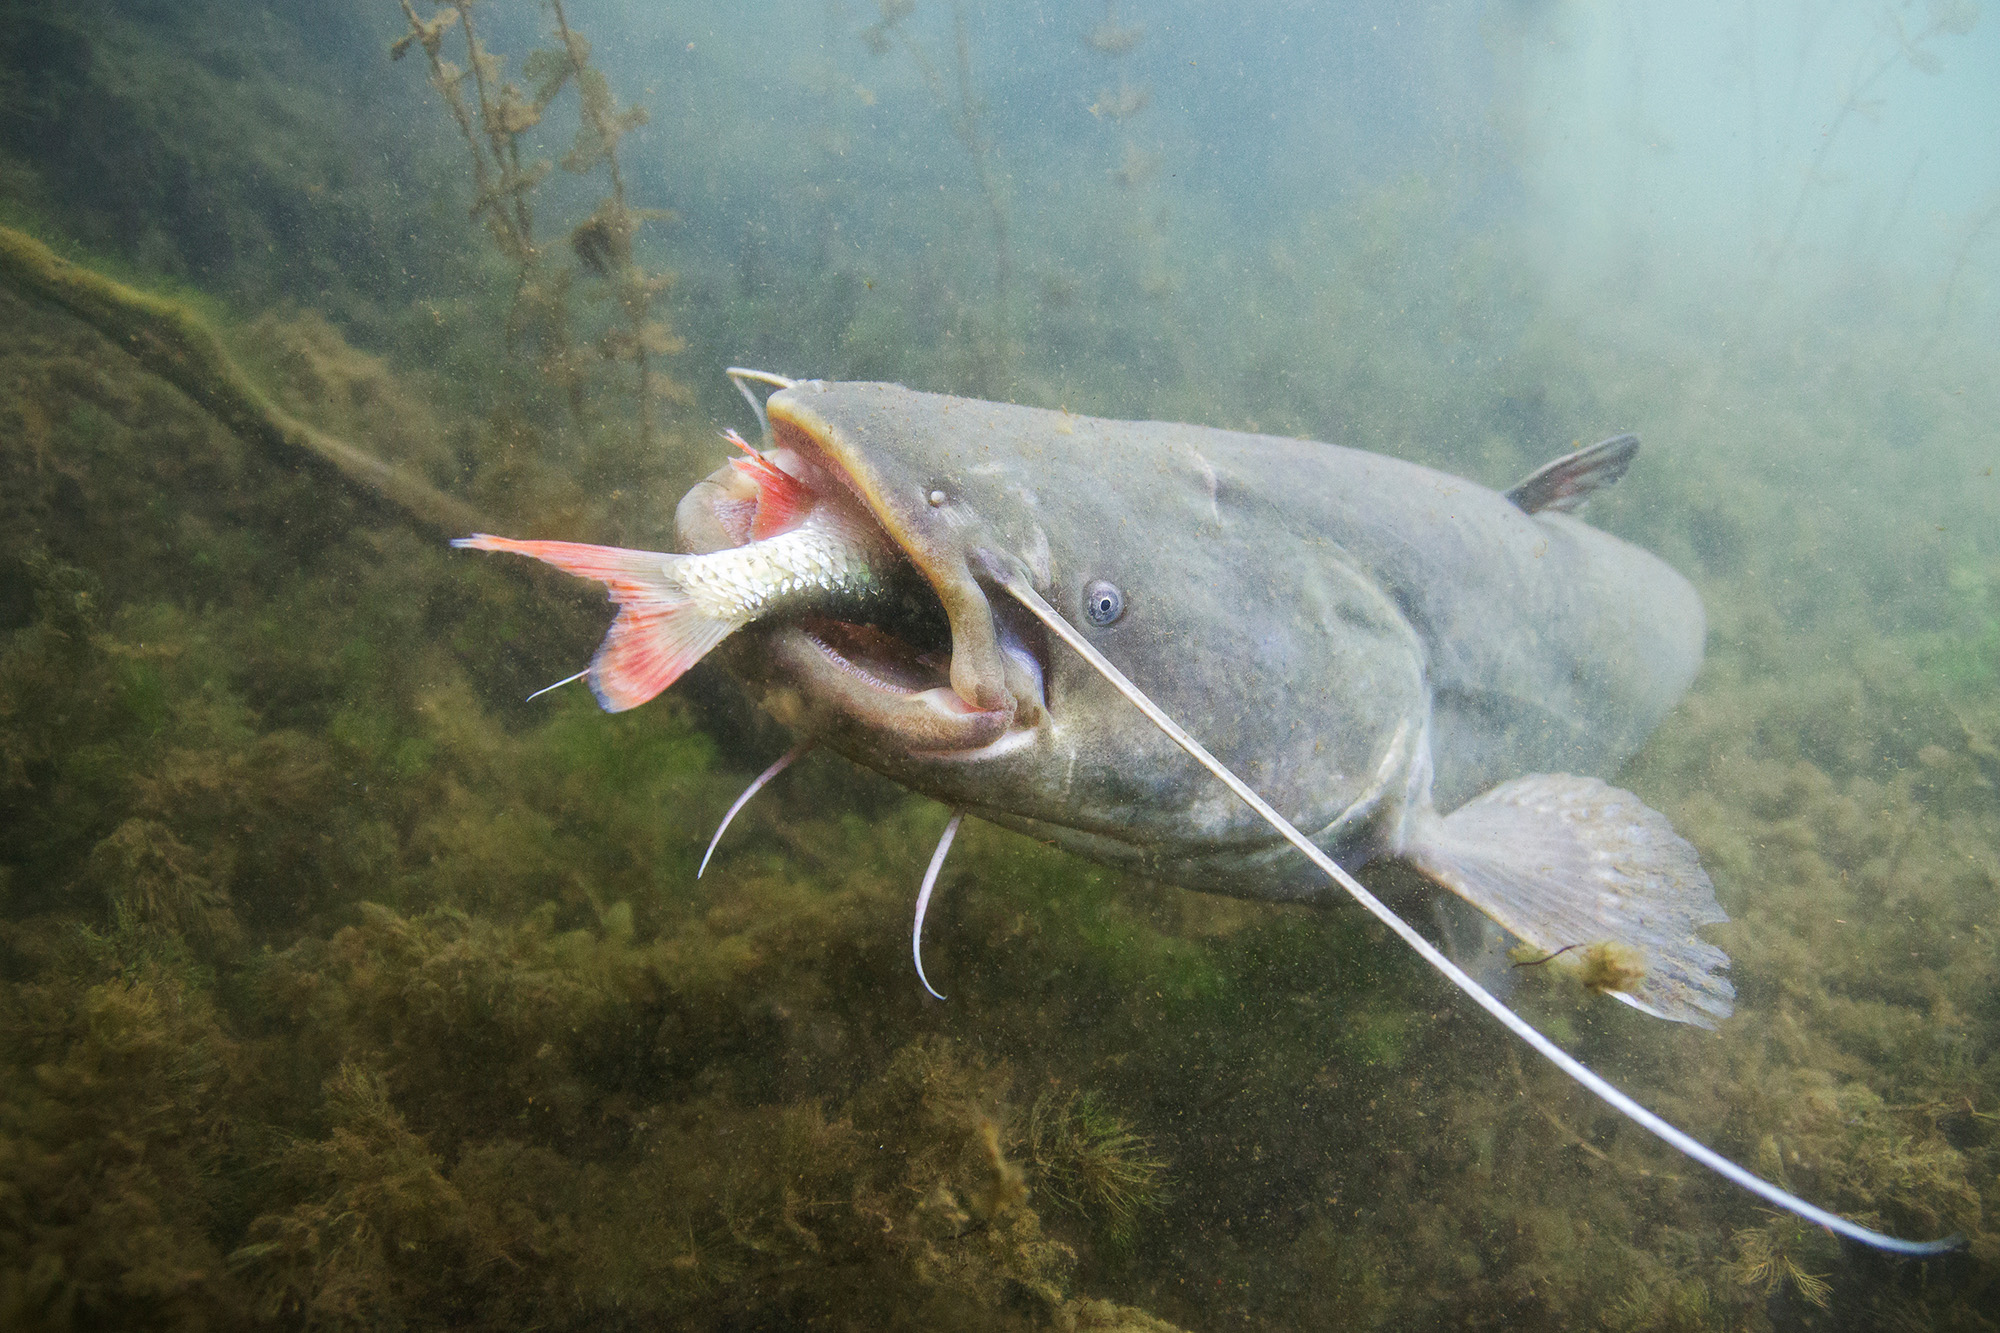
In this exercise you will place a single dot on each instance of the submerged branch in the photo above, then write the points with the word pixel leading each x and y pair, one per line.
pixel 173 342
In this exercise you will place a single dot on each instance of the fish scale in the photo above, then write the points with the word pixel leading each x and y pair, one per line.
pixel 823 559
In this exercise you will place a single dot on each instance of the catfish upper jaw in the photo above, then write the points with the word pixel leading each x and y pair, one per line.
pixel 936 538
pixel 824 675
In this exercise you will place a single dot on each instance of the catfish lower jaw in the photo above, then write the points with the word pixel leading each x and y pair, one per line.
pixel 858 676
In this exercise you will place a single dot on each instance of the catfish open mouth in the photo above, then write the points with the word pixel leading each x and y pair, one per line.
pixel 880 658
pixel 921 666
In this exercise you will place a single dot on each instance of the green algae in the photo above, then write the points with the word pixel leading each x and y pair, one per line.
pixel 1091 1161
pixel 338 989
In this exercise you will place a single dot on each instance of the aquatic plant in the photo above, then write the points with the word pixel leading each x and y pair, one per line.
pixel 1110 36
pixel 377 1221
pixel 118 1141
pixel 1975 231
pixel 313 189
pixel 496 123
pixel 153 879
pixel 175 342
pixel 1090 1161
pixel 1766 1259
pixel 1898 46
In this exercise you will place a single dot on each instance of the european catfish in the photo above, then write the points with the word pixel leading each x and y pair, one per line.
pixel 1400 663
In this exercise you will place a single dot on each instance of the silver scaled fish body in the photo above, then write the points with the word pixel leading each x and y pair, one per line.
pixel 822 554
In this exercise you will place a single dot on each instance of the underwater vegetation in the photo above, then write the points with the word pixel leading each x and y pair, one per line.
pixel 327 1092
pixel 1091 1161
pixel 339 989
pixel 495 120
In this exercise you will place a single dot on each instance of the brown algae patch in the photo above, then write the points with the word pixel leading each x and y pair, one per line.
pixel 1609 966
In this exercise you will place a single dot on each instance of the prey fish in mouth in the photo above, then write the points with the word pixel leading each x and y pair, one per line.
pixel 1028 614
pixel 794 549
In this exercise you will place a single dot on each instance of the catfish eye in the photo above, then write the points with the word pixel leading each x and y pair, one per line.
pixel 1103 603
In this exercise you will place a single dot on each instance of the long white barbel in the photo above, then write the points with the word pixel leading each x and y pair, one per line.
pixel 924 897
pixel 1007 576
pixel 784 761
pixel 739 374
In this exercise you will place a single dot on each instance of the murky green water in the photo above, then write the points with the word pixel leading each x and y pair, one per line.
pixel 340 988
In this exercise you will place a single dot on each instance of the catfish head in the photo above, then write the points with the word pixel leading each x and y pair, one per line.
pixel 1307 680
pixel 939 673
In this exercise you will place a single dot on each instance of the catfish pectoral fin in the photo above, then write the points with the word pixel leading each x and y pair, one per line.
pixel 1575 865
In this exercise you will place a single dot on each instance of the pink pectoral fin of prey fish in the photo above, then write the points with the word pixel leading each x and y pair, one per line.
pixel 782 499
pixel 658 633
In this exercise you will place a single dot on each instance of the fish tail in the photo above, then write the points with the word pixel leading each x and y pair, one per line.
pixel 1580 869
pixel 659 631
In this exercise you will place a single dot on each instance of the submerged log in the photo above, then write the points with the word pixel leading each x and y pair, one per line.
pixel 175 343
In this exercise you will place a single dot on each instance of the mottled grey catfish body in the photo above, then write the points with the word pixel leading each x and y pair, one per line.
pixel 1316 611
pixel 1360 637
pixel 1366 642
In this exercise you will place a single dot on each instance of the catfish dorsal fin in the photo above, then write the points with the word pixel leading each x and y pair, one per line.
pixel 1008 575
pixel 1566 485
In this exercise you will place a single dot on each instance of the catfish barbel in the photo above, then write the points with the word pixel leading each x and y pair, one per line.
pixel 1384 663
